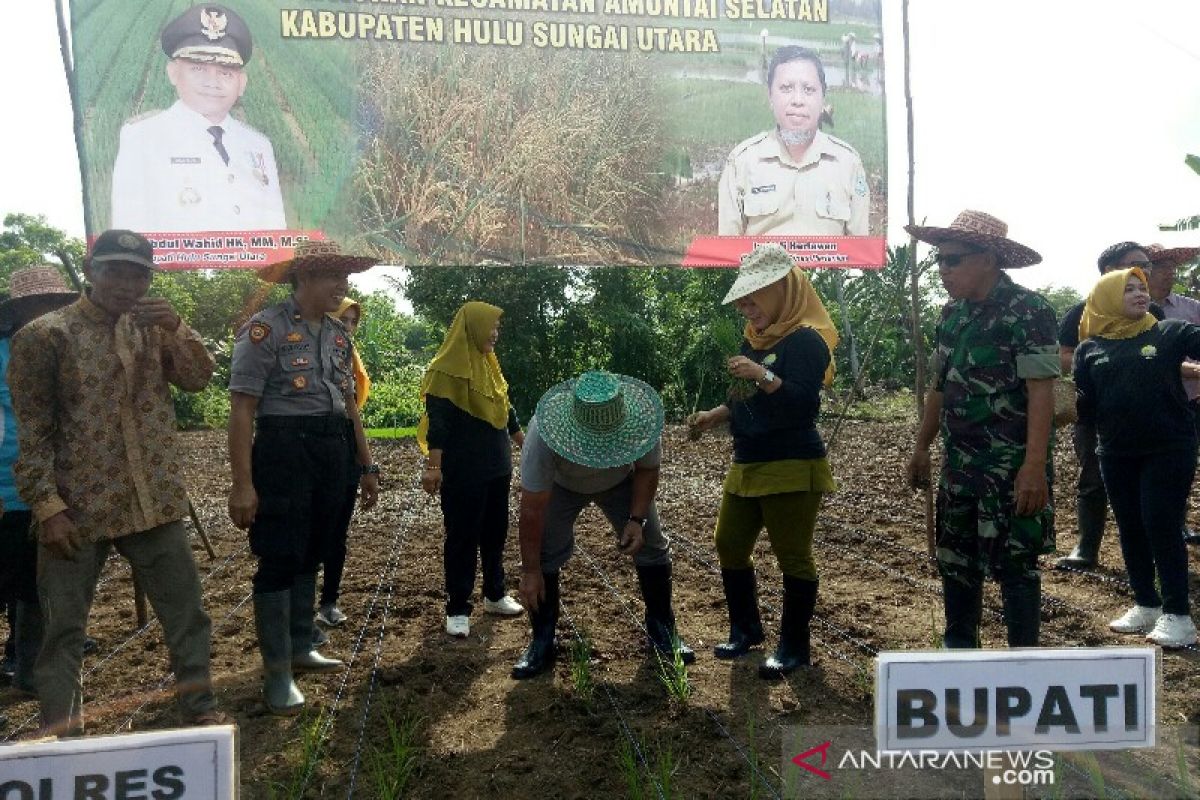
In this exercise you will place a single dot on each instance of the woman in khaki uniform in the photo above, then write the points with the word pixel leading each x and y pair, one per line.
pixel 794 179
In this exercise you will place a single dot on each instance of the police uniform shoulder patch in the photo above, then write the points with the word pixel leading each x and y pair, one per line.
pixel 860 183
pixel 259 331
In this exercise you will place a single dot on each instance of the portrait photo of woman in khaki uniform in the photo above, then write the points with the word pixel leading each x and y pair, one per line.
pixel 795 179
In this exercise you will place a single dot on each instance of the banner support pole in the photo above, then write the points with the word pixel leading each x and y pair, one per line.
pixel 64 46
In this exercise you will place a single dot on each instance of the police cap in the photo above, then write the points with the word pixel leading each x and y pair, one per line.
pixel 210 33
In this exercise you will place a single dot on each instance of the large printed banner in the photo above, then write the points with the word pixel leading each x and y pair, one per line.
pixel 472 132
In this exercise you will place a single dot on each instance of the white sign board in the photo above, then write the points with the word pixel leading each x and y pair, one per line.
pixel 1101 698
pixel 195 763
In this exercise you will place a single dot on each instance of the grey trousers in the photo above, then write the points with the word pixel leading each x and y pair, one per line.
pixel 558 536
pixel 162 564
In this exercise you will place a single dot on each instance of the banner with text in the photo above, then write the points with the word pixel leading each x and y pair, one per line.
pixel 475 132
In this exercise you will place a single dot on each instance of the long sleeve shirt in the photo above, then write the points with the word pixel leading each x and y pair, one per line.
pixel 783 424
pixel 472 450
pixel 97 424
pixel 1132 391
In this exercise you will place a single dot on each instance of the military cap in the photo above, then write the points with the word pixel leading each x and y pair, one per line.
pixel 120 245
pixel 210 33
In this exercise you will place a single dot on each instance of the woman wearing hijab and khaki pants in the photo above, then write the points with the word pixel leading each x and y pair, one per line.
pixel 779 470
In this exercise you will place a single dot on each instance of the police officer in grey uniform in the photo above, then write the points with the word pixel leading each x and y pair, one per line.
pixel 292 394
pixel 194 167
pixel 795 179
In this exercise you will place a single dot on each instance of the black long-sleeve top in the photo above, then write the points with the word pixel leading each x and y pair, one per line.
pixel 783 425
pixel 472 450
pixel 1132 391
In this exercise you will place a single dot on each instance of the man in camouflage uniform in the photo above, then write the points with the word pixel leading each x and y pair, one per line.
pixel 993 399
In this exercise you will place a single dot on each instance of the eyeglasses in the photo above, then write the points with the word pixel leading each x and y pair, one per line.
pixel 952 260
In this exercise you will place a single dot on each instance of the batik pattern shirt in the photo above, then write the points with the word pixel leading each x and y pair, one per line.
pixel 97 423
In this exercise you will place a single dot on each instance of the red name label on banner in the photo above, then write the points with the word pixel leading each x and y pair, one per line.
pixel 225 249
pixel 816 252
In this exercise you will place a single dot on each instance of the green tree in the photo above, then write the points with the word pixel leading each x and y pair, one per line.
pixel 28 240
pixel 1061 298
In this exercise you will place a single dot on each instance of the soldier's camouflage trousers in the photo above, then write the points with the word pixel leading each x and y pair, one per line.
pixel 980 537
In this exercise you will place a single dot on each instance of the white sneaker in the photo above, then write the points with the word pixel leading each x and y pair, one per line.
pixel 1173 630
pixel 330 615
pixel 505 606
pixel 458 626
pixel 1138 619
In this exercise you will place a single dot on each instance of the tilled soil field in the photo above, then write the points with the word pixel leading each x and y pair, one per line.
pixel 474 732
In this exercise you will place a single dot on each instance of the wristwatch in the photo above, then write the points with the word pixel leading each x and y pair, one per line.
pixel 639 520
pixel 368 469
pixel 767 377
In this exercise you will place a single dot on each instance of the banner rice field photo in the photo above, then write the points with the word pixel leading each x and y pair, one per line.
pixel 418 714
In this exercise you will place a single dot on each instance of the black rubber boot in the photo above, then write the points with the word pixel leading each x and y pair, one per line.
pixel 964 610
pixel 305 658
pixel 794 650
pixel 539 655
pixel 28 636
pixel 655 581
pixel 1022 609
pixel 271 613
pixel 745 624
pixel 1093 511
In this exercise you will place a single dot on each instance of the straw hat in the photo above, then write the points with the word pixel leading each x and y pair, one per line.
pixel 982 230
pixel 600 419
pixel 761 267
pixel 25 286
pixel 311 254
pixel 1170 256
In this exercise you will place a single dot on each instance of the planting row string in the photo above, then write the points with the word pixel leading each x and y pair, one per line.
pixel 639 624
pixel 152 693
pixel 413 511
pixel 616 707
pixel 1049 602
pixel 149 623
pixel 386 578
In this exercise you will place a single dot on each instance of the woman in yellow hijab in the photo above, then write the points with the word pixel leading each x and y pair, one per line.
pixel 1127 374
pixel 466 433
pixel 349 313
pixel 779 470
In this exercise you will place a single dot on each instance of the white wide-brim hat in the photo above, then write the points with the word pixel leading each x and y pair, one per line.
pixel 762 266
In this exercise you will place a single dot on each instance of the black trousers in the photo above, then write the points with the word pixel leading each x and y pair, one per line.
pixel 18 558
pixel 301 467
pixel 476 518
pixel 334 560
pixel 1149 499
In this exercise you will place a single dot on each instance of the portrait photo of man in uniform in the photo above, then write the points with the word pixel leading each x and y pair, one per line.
pixel 194 166
pixel 795 178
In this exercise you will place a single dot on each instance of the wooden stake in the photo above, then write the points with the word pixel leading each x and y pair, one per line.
pixel 915 280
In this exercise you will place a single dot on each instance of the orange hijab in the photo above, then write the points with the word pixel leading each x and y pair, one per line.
pixel 792 303
pixel 362 381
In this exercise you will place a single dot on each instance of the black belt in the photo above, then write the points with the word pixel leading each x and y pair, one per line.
pixel 327 425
